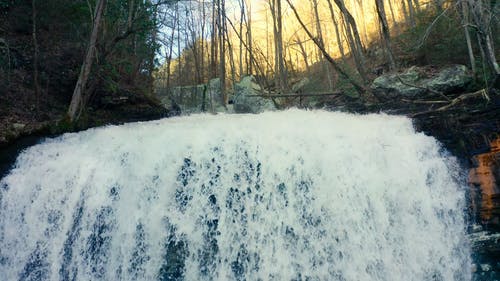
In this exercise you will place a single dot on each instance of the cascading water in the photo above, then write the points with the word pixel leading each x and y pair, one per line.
pixel 279 196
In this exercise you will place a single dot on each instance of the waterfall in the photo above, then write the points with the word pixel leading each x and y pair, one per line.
pixel 291 195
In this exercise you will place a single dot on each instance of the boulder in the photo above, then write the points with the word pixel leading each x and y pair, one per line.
pixel 450 79
pixel 300 85
pixel 418 82
pixel 193 99
pixel 246 100
pixel 214 94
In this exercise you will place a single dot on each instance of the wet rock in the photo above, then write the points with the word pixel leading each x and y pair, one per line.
pixel 246 99
pixel 453 78
pixel 419 82
pixel 18 126
pixel 485 267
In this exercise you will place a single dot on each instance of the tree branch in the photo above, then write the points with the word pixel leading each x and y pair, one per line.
pixel 359 88
pixel 454 102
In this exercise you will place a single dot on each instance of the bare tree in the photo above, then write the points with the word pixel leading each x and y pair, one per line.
pixel 213 40
pixel 385 33
pixel 76 105
pixel 340 42
pixel 302 51
pixel 175 22
pixel 466 21
pixel 242 20
pixel 319 32
pixel 353 38
pixel 249 39
pixel 253 59
pixel 411 13
pixel 393 16
pixel 279 66
pixel 482 17
pixel 359 87
pixel 221 24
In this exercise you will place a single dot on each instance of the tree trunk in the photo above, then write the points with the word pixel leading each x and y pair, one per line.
pixel 405 11
pixel 340 42
pixel 320 38
pixel 213 41
pixel 249 38
pixel 242 20
pixel 465 10
pixel 393 16
pixel 191 27
pixel 353 38
pixel 280 70
pixel 490 53
pixel 304 53
pixel 275 45
pixel 36 81
pixel 411 12
pixel 154 38
pixel 231 57
pixel 76 105
pixel 222 49
pixel 360 88
pixel 170 50
pixel 482 17
pixel 202 43
pixel 179 51
pixel 253 60
pixel 385 33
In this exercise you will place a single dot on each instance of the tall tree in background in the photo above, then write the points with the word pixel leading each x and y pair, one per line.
pixel 213 40
pixel 482 19
pixel 77 100
pixel 279 64
pixel 467 24
pixel 250 56
pixel 340 43
pixel 319 32
pixel 411 13
pixel 385 33
pixel 242 21
pixel 221 25
pixel 359 87
pixel 353 38
pixel 170 44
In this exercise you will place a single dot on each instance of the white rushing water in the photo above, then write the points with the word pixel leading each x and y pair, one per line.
pixel 279 196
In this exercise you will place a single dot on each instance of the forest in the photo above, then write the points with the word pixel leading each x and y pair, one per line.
pixel 87 63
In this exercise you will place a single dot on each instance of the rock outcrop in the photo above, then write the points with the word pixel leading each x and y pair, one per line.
pixel 193 99
pixel 246 99
pixel 418 82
